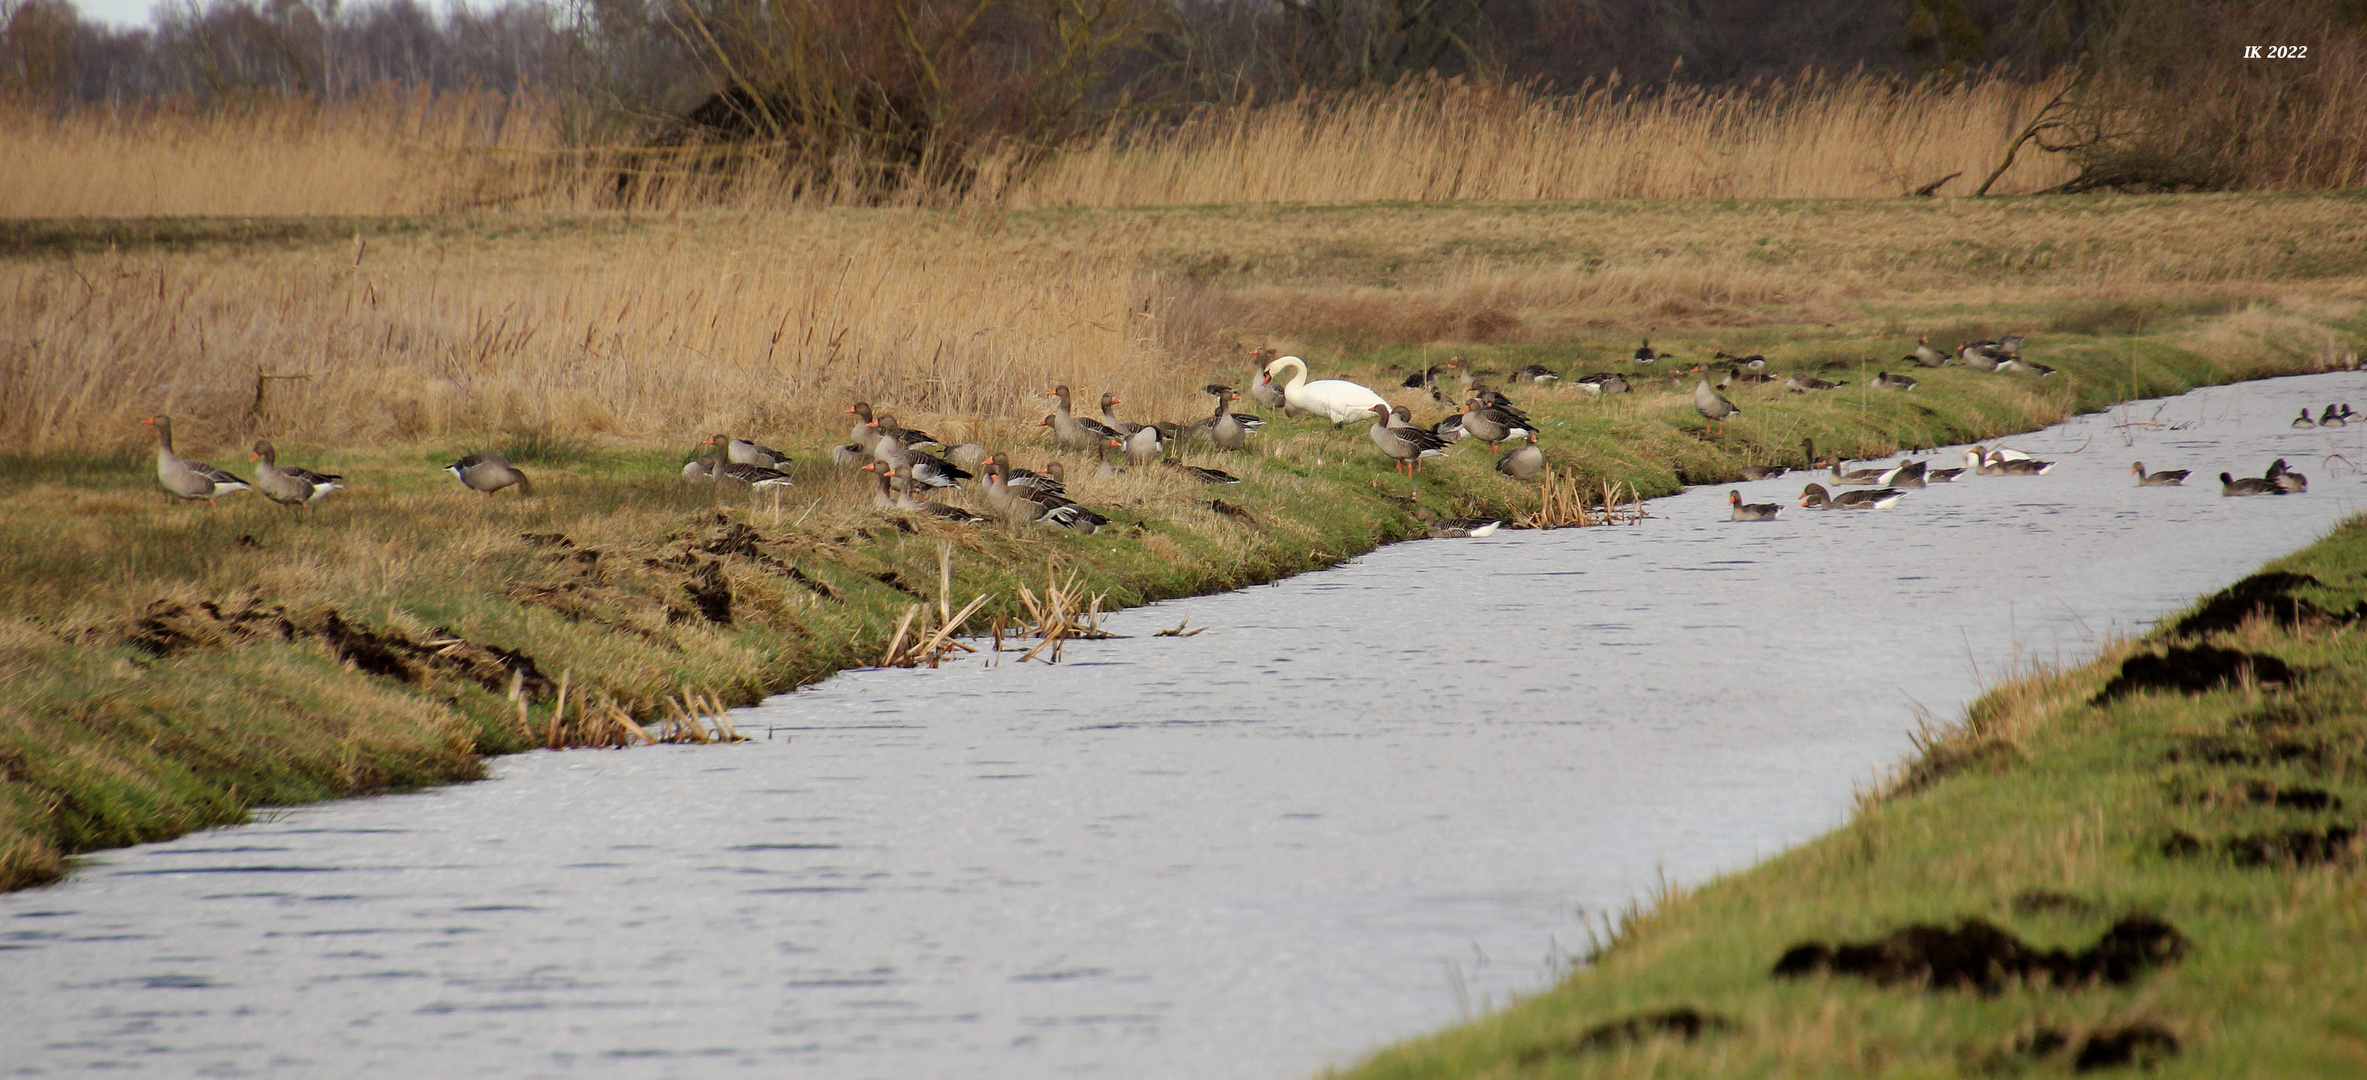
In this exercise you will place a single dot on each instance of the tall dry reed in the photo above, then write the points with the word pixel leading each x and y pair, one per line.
pixel 730 324
pixel 383 153
pixel 1442 140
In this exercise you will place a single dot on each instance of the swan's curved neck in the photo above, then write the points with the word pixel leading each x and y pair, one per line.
pixel 1297 368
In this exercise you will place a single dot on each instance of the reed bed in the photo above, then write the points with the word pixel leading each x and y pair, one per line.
pixel 1424 141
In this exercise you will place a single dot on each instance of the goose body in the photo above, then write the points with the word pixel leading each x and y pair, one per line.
pixel 1603 382
pixel 1977 356
pixel 2165 478
pixel 1763 472
pixel 1742 511
pixel 1075 431
pixel 2332 418
pixel 1888 381
pixel 1456 528
pixel 2250 485
pixel 1261 389
pixel 1927 356
pixel 1492 424
pixel 289 486
pixel 1985 463
pixel 1336 400
pixel 918 465
pixel 2303 422
pixel 1536 373
pixel 1427 378
pixel 1523 463
pixel 1224 428
pixel 909 501
pixel 1800 384
pixel 1816 497
pixel 1645 354
pixel 489 473
pixel 1146 444
pixel 1109 414
pixel 1405 446
pixel 1906 475
pixel 748 452
pixel 2286 480
pixel 189 479
pixel 1713 405
pixel 1853 476
pixel 1204 475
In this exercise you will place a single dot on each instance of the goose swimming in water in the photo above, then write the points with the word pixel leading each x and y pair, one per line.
pixel 2250 485
pixel 2164 478
pixel 1742 511
pixel 1815 497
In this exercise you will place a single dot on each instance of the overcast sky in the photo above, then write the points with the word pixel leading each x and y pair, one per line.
pixel 119 12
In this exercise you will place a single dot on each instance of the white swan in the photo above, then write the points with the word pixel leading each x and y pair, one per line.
pixel 1336 400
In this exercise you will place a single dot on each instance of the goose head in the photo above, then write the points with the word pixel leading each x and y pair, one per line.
pixel 263 452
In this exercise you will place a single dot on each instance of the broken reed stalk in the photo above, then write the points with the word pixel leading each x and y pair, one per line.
pixel 559 712
pixel 1559 506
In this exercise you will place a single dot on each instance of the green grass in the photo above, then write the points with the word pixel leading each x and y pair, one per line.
pixel 2052 817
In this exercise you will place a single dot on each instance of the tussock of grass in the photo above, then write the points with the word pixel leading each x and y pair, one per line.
pixel 2231 814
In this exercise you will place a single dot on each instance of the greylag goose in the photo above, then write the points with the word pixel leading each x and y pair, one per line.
pixel 1075 431
pixel 2010 345
pixel 1746 378
pixel 489 473
pixel 2016 363
pixel 1537 373
pixel 1225 429
pixel 1336 400
pixel 1024 506
pixel 1742 511
pixel 1449 430
pixel 761 477
pixel 1888 381
pixel 1713 405
pixel 748 452
pixel 1801 384
pixel 1523 463
pixel 1977 356
pixel 1853 476
pixel 848 455
pixel 2250 485
pixel 2303 422
pixel 1941 476
pixel 190 479
pixel 1763 472
pixel 1204 475
pixel 911 502
pixel 926 468
pixel 1815 497
pixel 1406 446
pixel 1994 463
pixel 1907 474
pixel 1491 424
pixel 2164 478
pixel 2331 418
pixel 882 495
pixel 2286 480
pixel 1603 382
pixel 701 468
pixel 1109 415
pixel 966 455
pixel 1456 528
pixel 1645 354
pixel 1927 356
pixel 290 486
pixel 1262 390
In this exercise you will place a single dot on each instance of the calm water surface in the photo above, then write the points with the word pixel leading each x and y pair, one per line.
pixel 1365 802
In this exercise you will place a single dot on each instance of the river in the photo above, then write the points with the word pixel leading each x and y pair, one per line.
pixel 1363 803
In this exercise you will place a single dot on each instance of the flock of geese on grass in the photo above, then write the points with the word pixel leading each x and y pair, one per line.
pixel 907 465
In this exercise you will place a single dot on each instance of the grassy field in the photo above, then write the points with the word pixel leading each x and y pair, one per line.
pixel 168 666
pixel 2065 803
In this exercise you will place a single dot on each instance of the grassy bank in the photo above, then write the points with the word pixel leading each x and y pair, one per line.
pixel 168 666
pixel 2211 778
